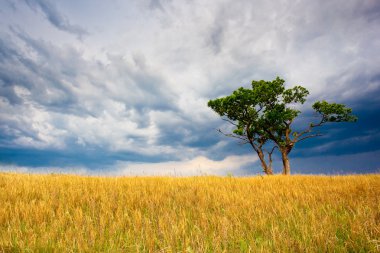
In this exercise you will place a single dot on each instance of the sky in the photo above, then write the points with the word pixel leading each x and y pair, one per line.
pixel 121 87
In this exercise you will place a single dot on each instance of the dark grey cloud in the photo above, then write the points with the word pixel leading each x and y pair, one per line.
pixel 55 17
pixel 366 162
pixel 37 76
pixel 52 93
pixel 140 86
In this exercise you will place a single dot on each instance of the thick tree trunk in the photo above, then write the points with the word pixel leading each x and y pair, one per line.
pixel 267 170
pixel 285 162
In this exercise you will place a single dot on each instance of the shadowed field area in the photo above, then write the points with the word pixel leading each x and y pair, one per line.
pixel 196 214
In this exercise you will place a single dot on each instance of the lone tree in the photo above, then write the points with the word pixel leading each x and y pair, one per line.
pixel 265 114
pixel 240 109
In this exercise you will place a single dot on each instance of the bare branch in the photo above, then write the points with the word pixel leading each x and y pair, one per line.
pixel 323 120
pixel 230 121
pixel 259 110
pixel 271 152
pixel 308 130
pixel 271 135
pixel 234 135
pixel 310 136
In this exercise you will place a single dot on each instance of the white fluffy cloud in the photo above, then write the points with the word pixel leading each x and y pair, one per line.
pixel 199 165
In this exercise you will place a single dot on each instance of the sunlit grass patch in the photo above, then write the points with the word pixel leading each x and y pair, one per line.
pixel 194 214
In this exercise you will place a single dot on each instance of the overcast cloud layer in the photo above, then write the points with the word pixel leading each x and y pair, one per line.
pixel 121 87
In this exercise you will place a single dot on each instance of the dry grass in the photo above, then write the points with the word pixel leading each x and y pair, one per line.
pixel 42 213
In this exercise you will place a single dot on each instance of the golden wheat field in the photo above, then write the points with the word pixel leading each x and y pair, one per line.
pixel 64 213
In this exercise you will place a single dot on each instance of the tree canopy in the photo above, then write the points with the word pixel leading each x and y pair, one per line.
pixel 264 114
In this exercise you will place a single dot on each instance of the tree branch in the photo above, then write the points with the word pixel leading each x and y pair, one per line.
pixel 308 130
pixel 230 121
pixel 271 152
pixel 259 110
pixel 310 136
pixel 271 135
pixel 233 136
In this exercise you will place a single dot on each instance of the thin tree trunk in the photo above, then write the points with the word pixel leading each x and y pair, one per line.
pixel 267 170
pixel 270 159
pixel 285 162
pixel 270 162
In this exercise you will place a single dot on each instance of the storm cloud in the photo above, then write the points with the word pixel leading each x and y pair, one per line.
pixel 123 87
pixel 50 12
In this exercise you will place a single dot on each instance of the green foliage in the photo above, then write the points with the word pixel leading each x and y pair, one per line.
pixel 266 112
pixel 333 112
pixel 259 109
pixel 238 106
